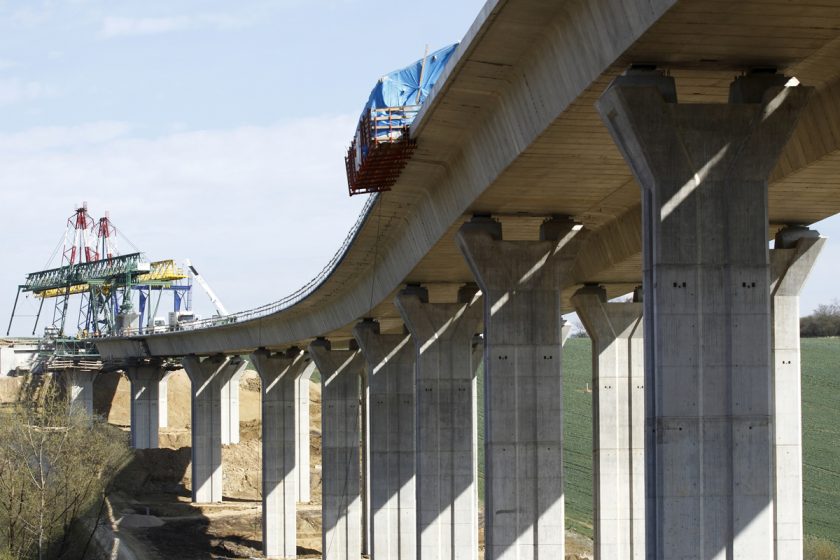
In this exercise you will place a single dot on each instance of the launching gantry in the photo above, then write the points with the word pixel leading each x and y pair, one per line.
pixel 103 282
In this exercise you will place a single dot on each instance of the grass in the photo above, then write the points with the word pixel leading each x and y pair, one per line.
pixel 821 435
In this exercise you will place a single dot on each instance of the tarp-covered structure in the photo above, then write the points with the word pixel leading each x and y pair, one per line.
pixel 381 146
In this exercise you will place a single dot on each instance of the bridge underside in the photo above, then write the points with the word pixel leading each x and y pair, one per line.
pixel 510 138
pixel 513 132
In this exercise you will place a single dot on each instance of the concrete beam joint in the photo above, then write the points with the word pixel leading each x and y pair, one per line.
pixel 417 291
pixel 556 228
pixel 645 76
pixel 752 87
pixel 483 225
pixel 789 236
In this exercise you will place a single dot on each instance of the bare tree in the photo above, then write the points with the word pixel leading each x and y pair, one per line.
pixel 55 465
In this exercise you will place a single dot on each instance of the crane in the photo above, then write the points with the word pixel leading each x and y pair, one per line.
pixel 214 299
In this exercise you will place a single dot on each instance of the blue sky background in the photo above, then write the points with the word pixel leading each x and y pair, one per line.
pixel 209 130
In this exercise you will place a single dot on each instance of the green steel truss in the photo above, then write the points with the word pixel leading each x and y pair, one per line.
pixel 86 273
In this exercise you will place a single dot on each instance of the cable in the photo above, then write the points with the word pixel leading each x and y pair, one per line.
pixel 55 251
pixel 127 240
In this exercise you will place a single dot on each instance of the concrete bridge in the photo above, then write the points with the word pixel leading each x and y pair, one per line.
pixel 574 151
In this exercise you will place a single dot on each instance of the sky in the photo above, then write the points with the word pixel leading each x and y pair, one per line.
pixel 208 130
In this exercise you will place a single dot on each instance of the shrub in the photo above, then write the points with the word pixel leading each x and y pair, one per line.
pixel 820 549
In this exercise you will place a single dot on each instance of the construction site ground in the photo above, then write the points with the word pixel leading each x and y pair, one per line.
pixel 150 507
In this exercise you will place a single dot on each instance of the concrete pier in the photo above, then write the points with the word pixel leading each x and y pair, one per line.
pixel 389 363
pixel 145 417
pixel 341 502
pixel 521 282
pixel 447 492
pixel 207 377
pixel 791 260
pixel 703 169
pixel 78 385
pixel 302 429
pixel 279 373
pixel 163 401
pixel 230 407
pixel 618 416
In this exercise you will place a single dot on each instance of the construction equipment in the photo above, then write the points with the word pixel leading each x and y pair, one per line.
pixel 214 299
pixel 103 280
pixel 382 144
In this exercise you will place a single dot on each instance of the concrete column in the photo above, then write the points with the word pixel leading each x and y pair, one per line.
pixel 447 491
pixel 163 401
pixel 302 459
pixel 78 385
pixel 389 361
pixel 145 381
pixel 521 282
pixel 618 416
pixel 230 406
pixel 703 169
pixel 207 377
pixel 791 261
pixel 279 373
pixel 341 504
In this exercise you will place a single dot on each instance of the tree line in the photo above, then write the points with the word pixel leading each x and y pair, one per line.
pixel 824 321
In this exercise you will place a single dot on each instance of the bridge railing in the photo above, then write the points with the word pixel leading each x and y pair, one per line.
pixel 276 306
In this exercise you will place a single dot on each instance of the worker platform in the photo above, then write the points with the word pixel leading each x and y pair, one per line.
pixel 382 144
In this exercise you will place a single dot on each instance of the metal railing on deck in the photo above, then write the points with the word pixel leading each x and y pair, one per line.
pixel 278 305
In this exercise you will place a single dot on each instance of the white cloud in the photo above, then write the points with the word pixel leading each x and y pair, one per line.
pixel 114 26
pixel 259 209
pixel 35 140
pixel 15 90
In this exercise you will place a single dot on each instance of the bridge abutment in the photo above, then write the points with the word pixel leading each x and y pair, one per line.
pixel 703 169
pixel 279 374
pixel 145 401
pixel 447 437
pixel 389 388
pixel 341 502
pixel 791 260
pixel 207 377
pixel 618 417
pixel 521 282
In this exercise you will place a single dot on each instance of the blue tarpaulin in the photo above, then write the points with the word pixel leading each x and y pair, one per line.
pixel 400 87
pixel 381 146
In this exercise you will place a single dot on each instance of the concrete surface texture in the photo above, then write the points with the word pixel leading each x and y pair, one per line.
pixel 302 428
pixel 279 373
pixel 511 132
pixel 618 418
pixel 145 400
pixel 703 170
pixel 521 283
pixel 389 392
pixel 447 492
pixel 341 502
pixel 791 260
pixel 207 377
pixel 230 406
pixel 78 385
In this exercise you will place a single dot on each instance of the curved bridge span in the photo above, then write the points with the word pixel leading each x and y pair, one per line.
pixel 573 151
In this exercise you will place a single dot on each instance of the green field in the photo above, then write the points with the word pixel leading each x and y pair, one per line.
pixel 821 433
pixel 821 411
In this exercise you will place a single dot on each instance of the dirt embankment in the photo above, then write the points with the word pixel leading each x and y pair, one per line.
pixel 152 497
pixel 153 492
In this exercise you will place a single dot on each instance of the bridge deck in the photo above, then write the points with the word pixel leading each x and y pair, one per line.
pixel 511 130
